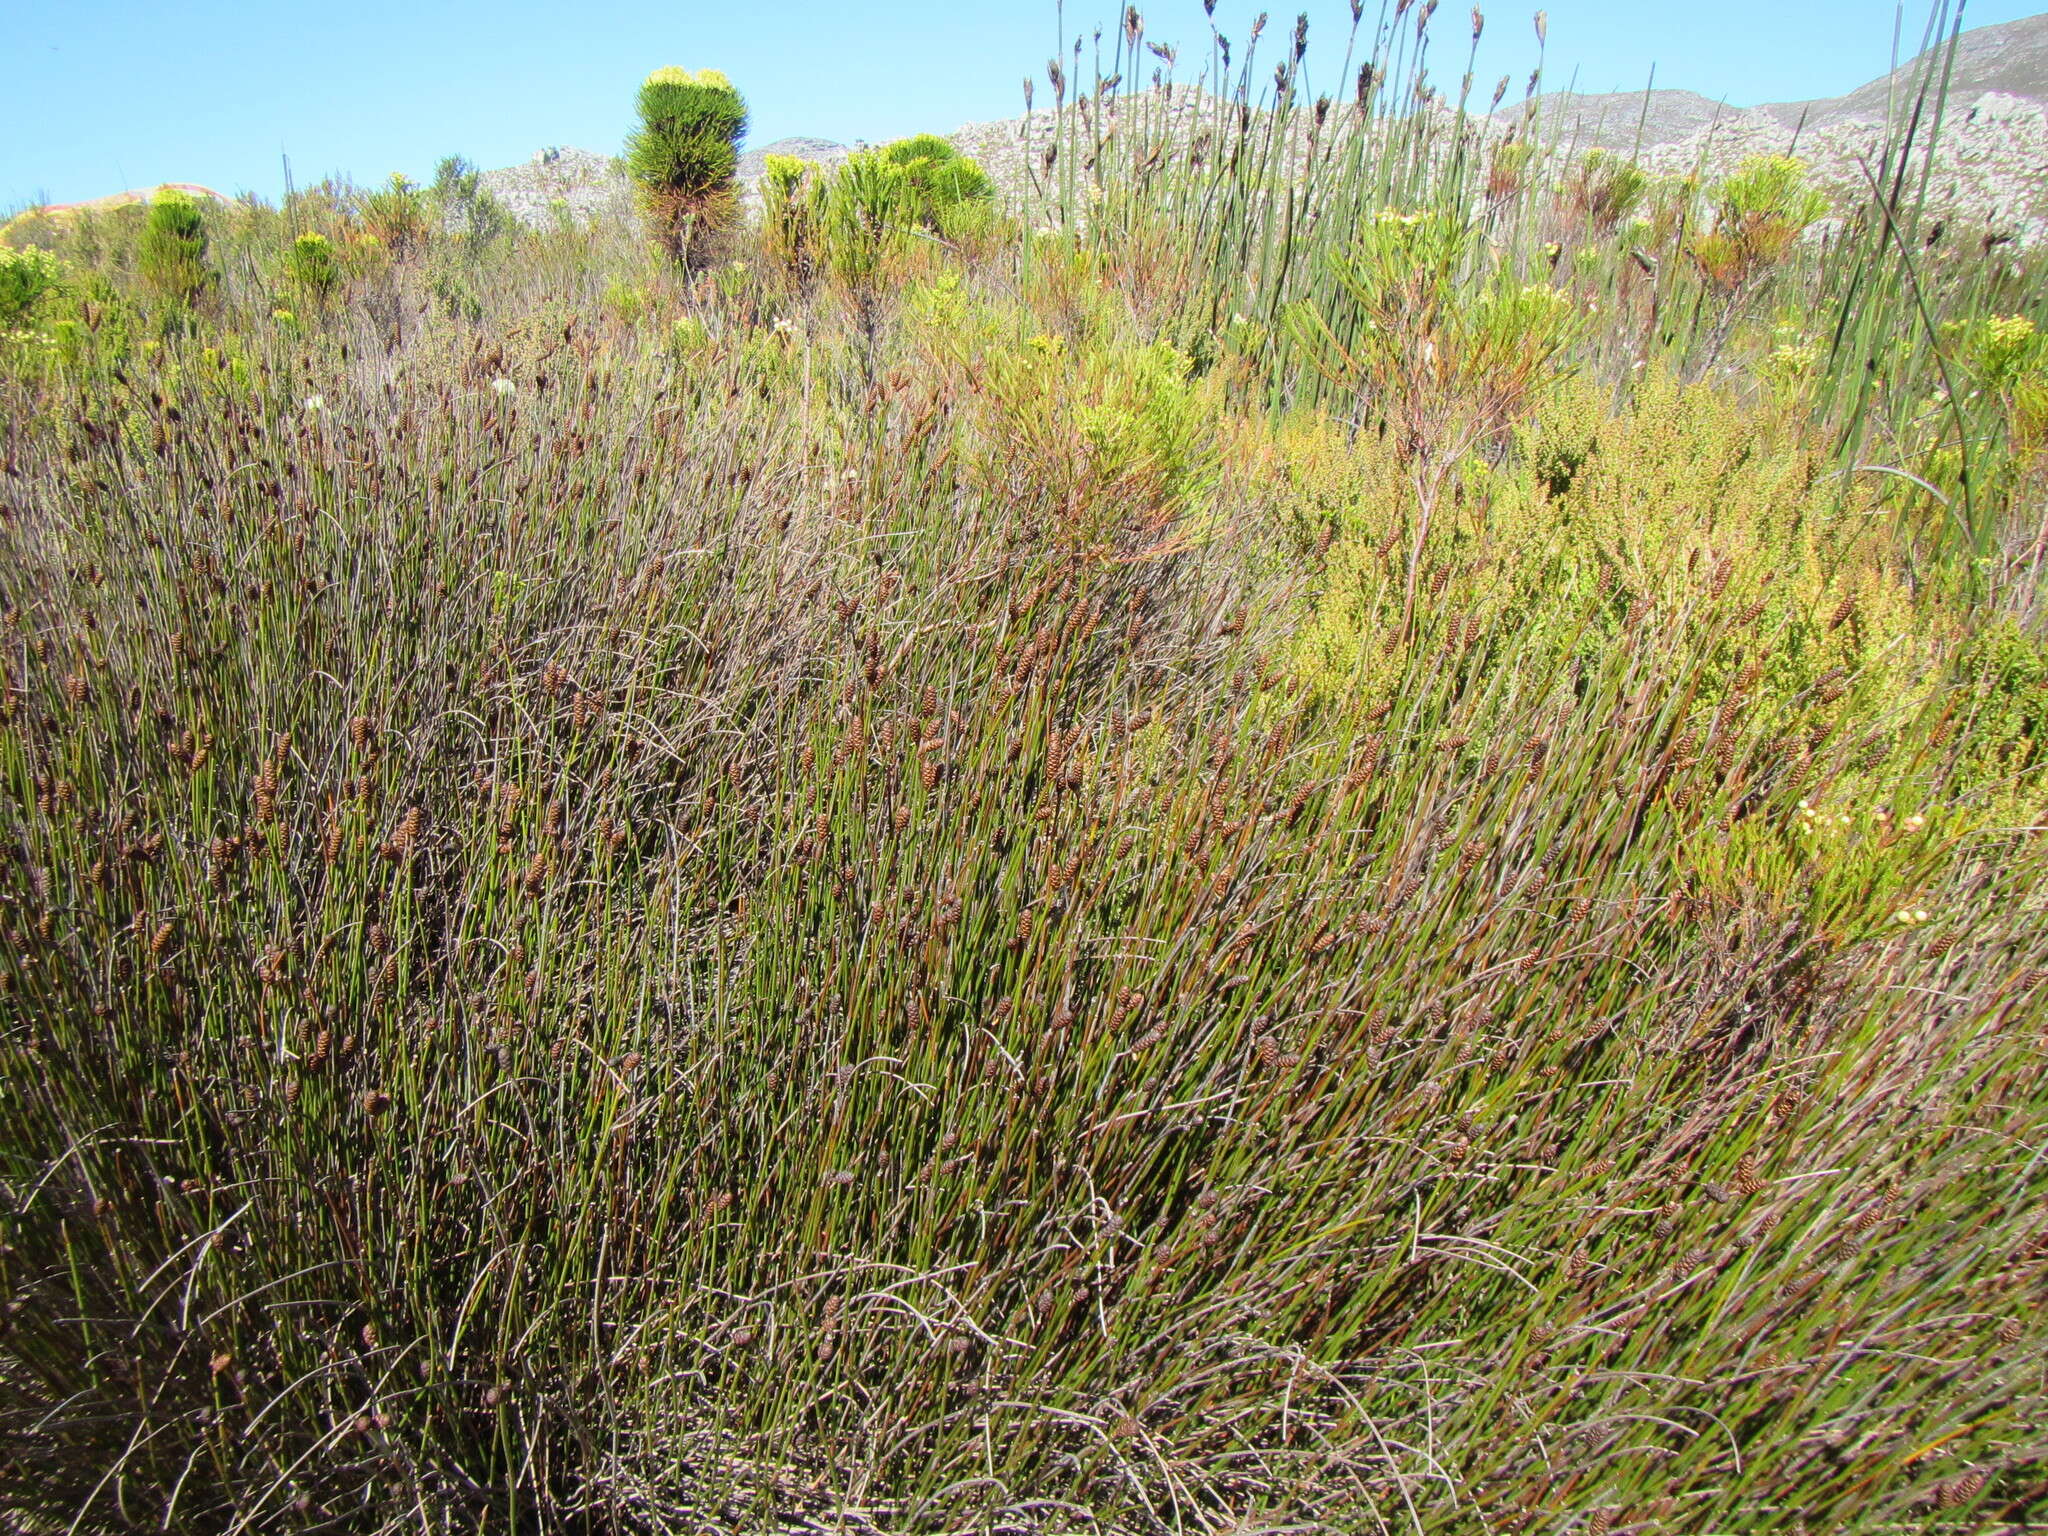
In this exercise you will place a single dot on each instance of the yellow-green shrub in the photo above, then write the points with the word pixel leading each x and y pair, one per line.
pixel 1120 431
pixel 1687 505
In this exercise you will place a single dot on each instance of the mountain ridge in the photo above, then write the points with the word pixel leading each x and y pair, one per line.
pixel 1990 162
pixel 2007 58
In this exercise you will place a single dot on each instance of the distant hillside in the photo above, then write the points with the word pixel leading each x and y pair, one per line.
pixel 1991 164
pixel 590 185
pixel 15 227
pixel 2010 59
pixel 754 163
pixel 1627 122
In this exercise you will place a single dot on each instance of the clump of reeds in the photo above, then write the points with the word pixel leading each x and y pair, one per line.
pixel 1096 881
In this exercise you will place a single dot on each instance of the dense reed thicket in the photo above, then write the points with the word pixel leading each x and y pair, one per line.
pixel 1340 847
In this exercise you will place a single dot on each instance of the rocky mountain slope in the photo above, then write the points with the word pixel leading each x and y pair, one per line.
pixel 582 184
pixel 1990 164
pixel 2010 60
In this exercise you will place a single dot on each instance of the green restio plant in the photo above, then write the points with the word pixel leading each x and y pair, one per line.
pixel 172 253
pixel 683 156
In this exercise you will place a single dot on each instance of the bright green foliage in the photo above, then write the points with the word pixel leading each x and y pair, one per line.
pixel 941 181
pixel 1999 352
pixel 624 303
pixel 2004 358
pixel 27 277
pixel 399 215
pixel 172 254
pixel 782 176
pixel 683 155
pixel 1124 424
pixel 919 184
pixel 1441 349
pixel 866 210
pixel 1606 189
pixel 466 207
pixel 1759 210
pixel 790 215
pixel 2029 414
pixel 2001 705
pixel 310 264
pixel 689 336
pixel 1793 360
pixel 1509 166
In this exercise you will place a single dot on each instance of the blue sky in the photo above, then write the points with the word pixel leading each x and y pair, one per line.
pixel 108 94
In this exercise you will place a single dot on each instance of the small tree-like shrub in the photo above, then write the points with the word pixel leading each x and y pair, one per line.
pixel 866 210
pixel 466 206
pixel 172 253
pixel 938 178
pixel 1605 189
pixel 1444 353
pixel 790 216
pixel 1508 168
pixel 919 183
pixel 397 215
pixel 865 214
pixel 311 266
pixel 27 277
pixel 683 157
pixel 1999 352
pixel 1760 209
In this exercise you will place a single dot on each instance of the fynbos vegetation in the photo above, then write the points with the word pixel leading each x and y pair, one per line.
pixel 171 256
pixel 1333 831
pixel 683 156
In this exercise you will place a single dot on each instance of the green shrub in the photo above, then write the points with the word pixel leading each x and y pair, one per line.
pixel 625 303
pixel 1123 431
pixel 27 278
pixel 310 264
pixel 938 179
pixel 1606 189
pixel 916 184
pixel 1759 209
pixel 1999 352
pixel 689 336
pixel 1443 351
pixel 1508 168
pixel 683 156
pixel 172 254
pixel 398 214
pixel 866 211
pixel 790 212
pixel 466 207
pixel 2001 678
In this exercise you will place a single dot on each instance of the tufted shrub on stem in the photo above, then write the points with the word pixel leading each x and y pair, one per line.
pixel 683 157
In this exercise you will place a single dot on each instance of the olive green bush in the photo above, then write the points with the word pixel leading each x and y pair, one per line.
pixel 28 278
pixel 171 256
